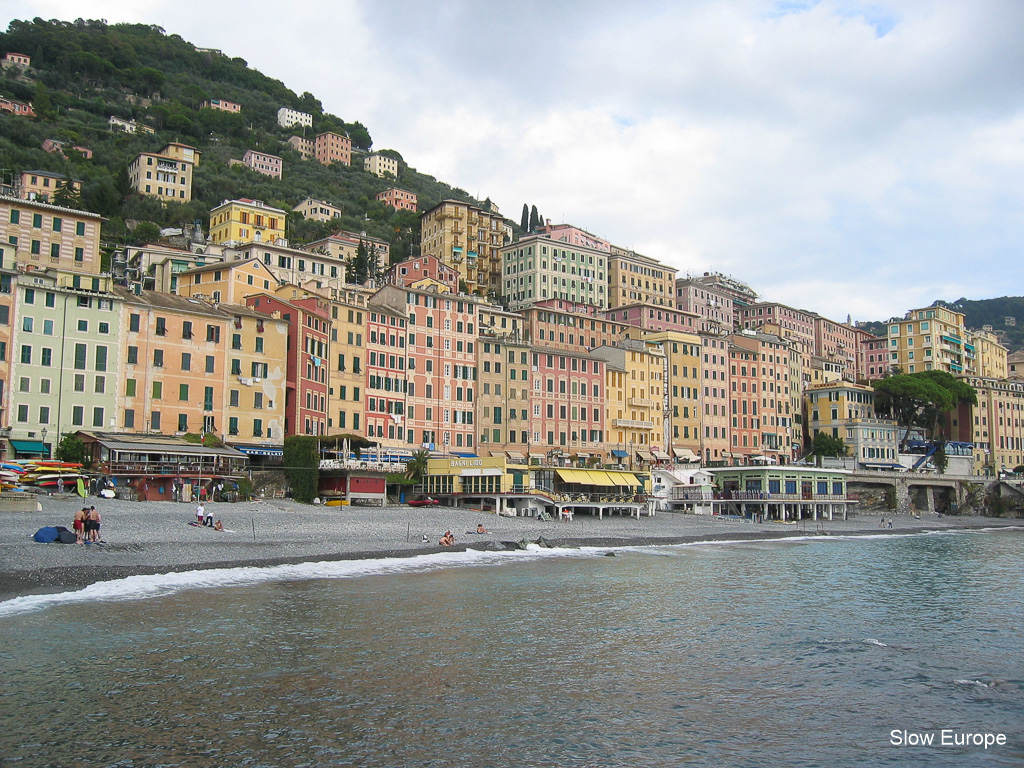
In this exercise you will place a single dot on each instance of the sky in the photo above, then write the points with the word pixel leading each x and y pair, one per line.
pixel 849 158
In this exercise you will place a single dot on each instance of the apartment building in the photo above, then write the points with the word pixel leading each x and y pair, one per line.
pixel 715 442
pixel 503 403
pixel 933 338
pixel 422 271
pixel 308 346
pixel 381 165
pixel 635 398
pixel 388 368
pixel 222 104
pixel 40 236
pixel 838 342
pixel 995 425
pixel 683 382
pixel 469 239
pixel 536 268
pixel 653 317
pixel 399 199
pixel 288 117
pixel 65 362
pixel 43 186
pixel 567 408
pixel 991 359
pixel 561 324
pixel 229 281
pixel 246 221
pixel 263 162
pixel 166 174
pixel 846 410
pixel 347 381
pixel 637 279
pixel 567 233
pixel 317 210
pixel 714 308
pixel 343 247
pixel 771 419
pixel 331 148
pixel 303 146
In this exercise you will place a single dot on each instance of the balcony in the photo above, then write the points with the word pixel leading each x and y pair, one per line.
pixel 640 402
pixel 633 424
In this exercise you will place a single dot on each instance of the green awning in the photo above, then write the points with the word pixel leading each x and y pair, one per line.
pixel 30 446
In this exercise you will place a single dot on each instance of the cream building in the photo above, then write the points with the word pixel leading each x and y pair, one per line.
pixel 536 268
pixel 166 174
pixel 933 338
pixel 635 398
pixel 380 165
pixel 634 279
pixel 317 210
pixel 469 239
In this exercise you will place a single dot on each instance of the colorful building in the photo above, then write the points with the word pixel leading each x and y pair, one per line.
pixel 381 165
pixel 536 268
pixel 39 236
pixel 468 238
pixel 331 148
pixel 637 279
pixel 263 162
pixel 166 174
pixel 246 221
pixel 399 199
pixel 847 411
pixel 317 210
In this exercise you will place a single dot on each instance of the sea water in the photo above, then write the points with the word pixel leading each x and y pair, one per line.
pixel 825 651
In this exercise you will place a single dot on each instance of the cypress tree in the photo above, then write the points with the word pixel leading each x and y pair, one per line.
pixel 525 223
pixel 534 223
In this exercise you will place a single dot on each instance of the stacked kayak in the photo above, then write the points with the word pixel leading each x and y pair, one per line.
pixel 40 473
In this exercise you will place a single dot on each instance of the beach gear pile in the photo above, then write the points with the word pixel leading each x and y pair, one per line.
pixel 43 474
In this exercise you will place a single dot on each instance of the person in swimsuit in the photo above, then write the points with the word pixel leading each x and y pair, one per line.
pixel 447 540
pixel 79 525
pixel 93 524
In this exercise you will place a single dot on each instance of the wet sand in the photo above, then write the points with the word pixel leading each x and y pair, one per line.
pixel 155 537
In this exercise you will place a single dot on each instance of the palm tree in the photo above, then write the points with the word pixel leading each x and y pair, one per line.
pixel 416 467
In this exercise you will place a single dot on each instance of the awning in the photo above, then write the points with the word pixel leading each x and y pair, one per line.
pixel 619 454
pixel 481 472
pixel 536 455
pixel 878 465
pixel 582 455
pixel 30 446
pixel 646 455
pixel 465 455
pixel 574 476
pixel 685 453
pixel 514 455
pixel 497 454
pixel 259 450
pixel 625 479
pixel 600 478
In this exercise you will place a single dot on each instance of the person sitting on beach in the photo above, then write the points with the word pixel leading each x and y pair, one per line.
pixel 447 540
pixel 218 526
pixel 480 528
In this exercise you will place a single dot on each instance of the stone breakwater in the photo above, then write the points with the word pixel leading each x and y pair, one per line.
pixel 155 537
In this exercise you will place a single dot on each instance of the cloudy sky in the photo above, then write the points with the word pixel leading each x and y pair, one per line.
pixel 850 158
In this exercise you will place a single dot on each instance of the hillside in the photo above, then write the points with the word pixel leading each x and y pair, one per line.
pixel 978 314
pixel 86 71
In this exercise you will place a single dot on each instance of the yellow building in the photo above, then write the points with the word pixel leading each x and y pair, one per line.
pixel 467 238
pixel 636 279
pixel 995 425
pixel 346 371
pixel 246 221
pixel 990 357
pixel 166 174
pixel 38 235
pixel 227 281
pixel 683 416
pixel 635 391
pixel 847 411
pixel 933 338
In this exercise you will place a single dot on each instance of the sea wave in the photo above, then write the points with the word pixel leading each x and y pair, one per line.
pixel 162 584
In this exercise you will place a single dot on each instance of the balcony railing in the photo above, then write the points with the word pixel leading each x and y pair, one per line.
pixel 632 423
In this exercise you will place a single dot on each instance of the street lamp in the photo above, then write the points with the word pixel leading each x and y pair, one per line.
pixel 45 449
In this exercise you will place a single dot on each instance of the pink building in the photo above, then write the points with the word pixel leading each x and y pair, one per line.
pixel 399 199
pixel 650 317
pixel 58 148
pixel 715 445
pixel 17 59
pixel 567 233
pixel 222 104
pixel 387 368
pixel 261 162
pixel 332 148
pixel 715 308
pixel 876 357
pixel 16 107
pixel 567 403
pixel 412 271
pixel 837 343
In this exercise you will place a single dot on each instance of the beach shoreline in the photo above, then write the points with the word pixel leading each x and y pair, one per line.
pixel 142 538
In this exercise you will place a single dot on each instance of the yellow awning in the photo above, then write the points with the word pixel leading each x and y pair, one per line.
pixel 632 479
pixel 617 478
pixel 600 478
pixel 573 476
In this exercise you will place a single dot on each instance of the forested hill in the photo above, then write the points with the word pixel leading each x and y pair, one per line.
pixel 83 72
pixel 1005 315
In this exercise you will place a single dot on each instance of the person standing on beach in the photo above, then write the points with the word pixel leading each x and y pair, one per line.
pixel 200 513
pixel 208 519
pixel 78 525
pixel 93 525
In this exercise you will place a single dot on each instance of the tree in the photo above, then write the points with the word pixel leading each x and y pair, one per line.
pixel 302 466
pixel 534 219
pixel 360 270
pixel 41 103
pixel 416 467
pixel 67 196
pixel 72 449
pixel 825 444
pixel 920 399
pixel 525 221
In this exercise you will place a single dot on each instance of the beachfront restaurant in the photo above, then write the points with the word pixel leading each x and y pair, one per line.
pixel 153 467
pixel 783 493
pixel 495 485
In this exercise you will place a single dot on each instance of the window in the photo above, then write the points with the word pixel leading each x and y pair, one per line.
pixel 129 388
pixel 183 392
pixel 158 390
pixel 133 355
pixel 97 417
pixel 213 334
pixel 154 420
pixel 133 323
pixel 183 422
pixel 186 361
pixel 158 358
pixel 161 326
pixel 101 358
pixel 211 364
pixel 186 329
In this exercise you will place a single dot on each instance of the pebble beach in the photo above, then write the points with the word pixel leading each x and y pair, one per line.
pixel 155 537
